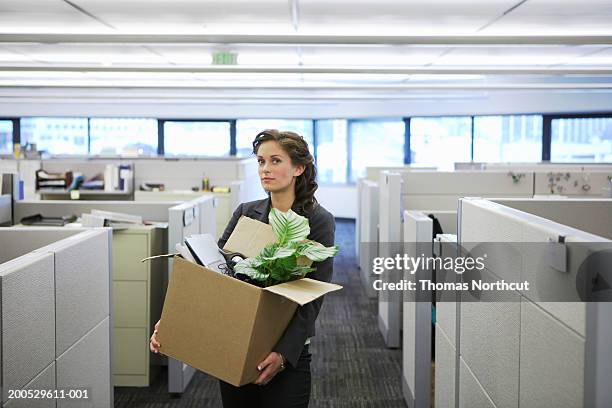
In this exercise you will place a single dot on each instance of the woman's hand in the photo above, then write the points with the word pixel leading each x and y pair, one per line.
pixel 272 365
pixel 154 345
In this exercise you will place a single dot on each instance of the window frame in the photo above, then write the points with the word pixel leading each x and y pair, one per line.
pixel 547 119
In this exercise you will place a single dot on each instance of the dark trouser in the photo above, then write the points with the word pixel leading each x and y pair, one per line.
pixel 288 389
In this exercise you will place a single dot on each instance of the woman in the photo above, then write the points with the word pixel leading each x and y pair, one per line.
pixel 288 175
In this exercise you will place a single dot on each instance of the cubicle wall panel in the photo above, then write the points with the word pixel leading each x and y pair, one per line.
pixel 128 250
pixel 494 236
pixel 573 183
pixel 82 286
pixel 207 215
pixel 569 212
pixel 28 319
pixel 447 219
pixel 552 361
pixel 130 303
pixel 409 344
pixel 43 382
pixel 466 183
pixel 490 334
pixel 390 238
pixel 86 365
pixel 446 307
pixel 445 370
pixel 368 236
pixel 548 285
pixel 18 241
pixel 185 174
pixel 440 202
pixel 471 392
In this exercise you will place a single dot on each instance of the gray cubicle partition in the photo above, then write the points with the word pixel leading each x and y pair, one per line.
pixel 417 313
pixel 446 357
pixel 190 218
pixel 416 316
pixel 390 238
pixel 56 314
pixel 526 350
pixel 367 239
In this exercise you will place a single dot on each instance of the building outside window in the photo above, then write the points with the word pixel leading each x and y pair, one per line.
pixel 581 140
pixel 196 138
pixel 508 138
pixel 331 150
pixel 6 136
pixel 123 136
pixel 56 135
pixel 247 129
pixel 440 141
pixel 375 143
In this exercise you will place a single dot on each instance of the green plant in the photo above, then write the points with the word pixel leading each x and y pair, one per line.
pixel 289 258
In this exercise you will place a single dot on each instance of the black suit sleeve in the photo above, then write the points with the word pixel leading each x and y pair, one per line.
pixel 292 341
pixel 230 226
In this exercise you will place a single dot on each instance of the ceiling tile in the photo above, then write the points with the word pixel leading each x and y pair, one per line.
pixel 555 17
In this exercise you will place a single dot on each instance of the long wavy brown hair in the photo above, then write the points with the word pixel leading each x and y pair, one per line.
pixel 297 149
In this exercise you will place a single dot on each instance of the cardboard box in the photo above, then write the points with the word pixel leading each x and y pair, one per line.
pixel 223 326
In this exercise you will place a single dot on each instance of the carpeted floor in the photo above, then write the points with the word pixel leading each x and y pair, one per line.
pixel 350 368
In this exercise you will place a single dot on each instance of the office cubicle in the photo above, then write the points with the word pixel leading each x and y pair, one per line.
pixel 435 193
pixel 372 177
pixel 190 218
pixel 47 342
pixel 525 348
pixel 138 287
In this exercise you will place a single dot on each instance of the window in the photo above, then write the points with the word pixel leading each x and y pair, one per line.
pixel 331 151
pixel 509 138
pixel 581 140
pixel 6 136
pixel 440 141
pixel 56 135
pixel 197 138
pixel 112 136
pixel 247 129
pixel 375 143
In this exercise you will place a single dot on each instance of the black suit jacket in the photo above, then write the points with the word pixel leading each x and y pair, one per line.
pixel 322 230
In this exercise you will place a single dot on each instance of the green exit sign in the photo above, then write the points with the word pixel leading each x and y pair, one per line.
pixel 224 58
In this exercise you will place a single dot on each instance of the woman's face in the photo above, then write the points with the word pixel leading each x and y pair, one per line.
pixel 276 171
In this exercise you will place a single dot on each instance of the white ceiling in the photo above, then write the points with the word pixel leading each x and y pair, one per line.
pixel 95 36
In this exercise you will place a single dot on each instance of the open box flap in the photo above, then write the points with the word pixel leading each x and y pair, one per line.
pixel 304 290
pixel 250 237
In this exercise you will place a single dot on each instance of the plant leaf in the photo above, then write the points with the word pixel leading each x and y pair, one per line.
pixel 276 253
pixel 248 267
pixel 318 253
pixel 288 226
